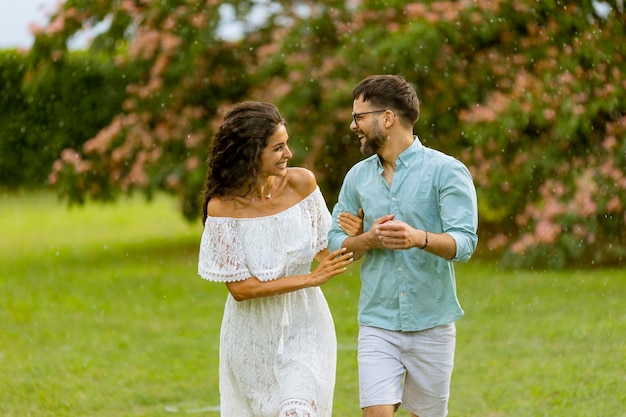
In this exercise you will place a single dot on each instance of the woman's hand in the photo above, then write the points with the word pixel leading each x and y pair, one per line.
pixel 331 265
pixel 351 224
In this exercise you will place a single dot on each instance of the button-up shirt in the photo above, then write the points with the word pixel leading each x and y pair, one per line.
pixel 410 290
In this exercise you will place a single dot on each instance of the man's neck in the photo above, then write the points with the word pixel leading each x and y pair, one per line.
pixel 393 148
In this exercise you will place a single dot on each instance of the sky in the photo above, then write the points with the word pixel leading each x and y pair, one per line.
pixel 17 15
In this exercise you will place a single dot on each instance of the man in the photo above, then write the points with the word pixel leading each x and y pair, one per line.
pixel 419 215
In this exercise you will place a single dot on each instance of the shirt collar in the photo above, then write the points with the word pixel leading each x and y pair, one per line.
pixel 410 154
pixel 407 157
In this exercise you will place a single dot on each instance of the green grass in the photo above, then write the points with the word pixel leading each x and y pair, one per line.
pixel 102 314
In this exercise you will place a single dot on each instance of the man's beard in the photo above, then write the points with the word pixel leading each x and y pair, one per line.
pixel 373 142
pixel 366 149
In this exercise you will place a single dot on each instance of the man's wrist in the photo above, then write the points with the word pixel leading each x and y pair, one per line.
pixel 425 240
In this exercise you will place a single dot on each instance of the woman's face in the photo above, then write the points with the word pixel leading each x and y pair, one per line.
pixel 276 154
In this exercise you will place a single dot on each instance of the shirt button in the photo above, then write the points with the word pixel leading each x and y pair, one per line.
pixel 399 269
pixel 401 294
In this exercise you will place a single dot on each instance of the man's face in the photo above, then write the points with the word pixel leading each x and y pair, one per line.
pixel 366 125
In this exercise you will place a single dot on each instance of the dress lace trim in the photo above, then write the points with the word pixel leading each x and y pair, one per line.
pixel 298 408
pixel 234 249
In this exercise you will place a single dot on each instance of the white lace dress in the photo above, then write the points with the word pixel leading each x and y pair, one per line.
pixel 277 353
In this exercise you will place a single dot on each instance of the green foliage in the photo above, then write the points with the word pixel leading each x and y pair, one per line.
pixel 12 105
pixel 528 94
pixel 48 109
pixel 547 138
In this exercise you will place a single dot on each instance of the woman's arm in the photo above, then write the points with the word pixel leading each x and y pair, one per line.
pixel 351 224
pixel 334 263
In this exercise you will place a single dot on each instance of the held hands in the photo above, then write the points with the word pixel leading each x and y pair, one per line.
pixel 385 232
pixel 353 226
pixel 333 264
pixel 399 235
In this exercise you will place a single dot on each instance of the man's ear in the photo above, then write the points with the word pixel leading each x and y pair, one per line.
pixel 390 118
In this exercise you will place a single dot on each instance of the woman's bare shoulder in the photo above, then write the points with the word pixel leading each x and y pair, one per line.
pixel 302 180
pixel 220 207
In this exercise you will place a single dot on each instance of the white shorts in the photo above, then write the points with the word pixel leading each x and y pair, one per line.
pixel 409 368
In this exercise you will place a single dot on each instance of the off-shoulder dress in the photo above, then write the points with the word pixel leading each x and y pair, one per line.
pixel 278 353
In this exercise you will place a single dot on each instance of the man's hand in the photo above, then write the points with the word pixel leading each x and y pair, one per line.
pixel 399 235
pixel 368 240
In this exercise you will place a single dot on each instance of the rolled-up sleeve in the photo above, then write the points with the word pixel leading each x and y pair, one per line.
pixel 459 209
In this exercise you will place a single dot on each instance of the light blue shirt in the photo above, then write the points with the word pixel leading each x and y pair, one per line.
pixel 411 290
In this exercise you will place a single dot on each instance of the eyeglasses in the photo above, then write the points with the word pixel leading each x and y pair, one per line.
pixel 357 116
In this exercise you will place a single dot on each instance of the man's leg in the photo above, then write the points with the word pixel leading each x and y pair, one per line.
pixel 429 360
pixel 379 411
pixel 381 372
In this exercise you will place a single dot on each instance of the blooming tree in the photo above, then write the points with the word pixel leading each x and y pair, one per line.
pixel 528 94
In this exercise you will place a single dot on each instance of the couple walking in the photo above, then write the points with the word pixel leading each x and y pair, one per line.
pixel 408 210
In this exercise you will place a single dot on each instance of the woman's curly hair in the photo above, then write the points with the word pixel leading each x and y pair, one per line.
pixel 235 151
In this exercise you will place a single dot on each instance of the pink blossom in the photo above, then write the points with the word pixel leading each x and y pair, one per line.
pixel 70 156
pixel 414 10
pixel 137 174
pixel 546 231
pixel 194 140
pixel 101 142
pixel 498 241
pixel 192 163
pixel 549 114
pixel 172 181
pixel 128 6
pixel 553 208
pixel 610 142
pixel 35 29
pixel 56 25
pixel 478 114
pixel 83 166
pixel 614 205
pixel 579 230
pixel 578 110
pixel 170 42
pixel 431 17
pixel 584 201
pixel 155 154
pixel 57 165
pixel 53 178
pixel 524 243
pixel 393 26
pixel 198 20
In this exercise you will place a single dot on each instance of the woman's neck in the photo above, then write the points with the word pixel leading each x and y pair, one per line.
pixel 263 190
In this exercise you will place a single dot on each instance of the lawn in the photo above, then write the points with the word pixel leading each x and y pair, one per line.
pixel 102 314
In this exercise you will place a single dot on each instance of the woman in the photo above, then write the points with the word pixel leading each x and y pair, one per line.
pixel 264 223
